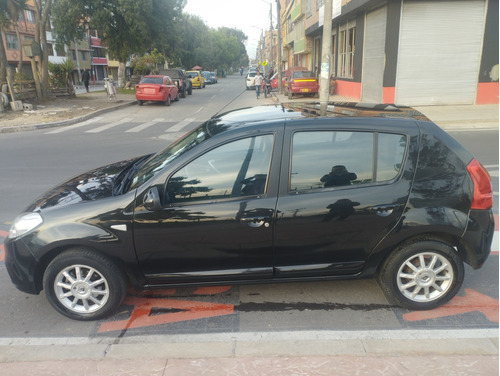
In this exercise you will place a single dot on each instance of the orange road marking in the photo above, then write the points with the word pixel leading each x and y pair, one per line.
pixel 141 315
pixel 3 234
pixel 473 301
pixel 211 290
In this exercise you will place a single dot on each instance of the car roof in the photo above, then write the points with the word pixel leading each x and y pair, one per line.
pixel 312 109
pixel 266 115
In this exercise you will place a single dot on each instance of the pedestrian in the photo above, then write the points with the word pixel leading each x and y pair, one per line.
pixel 257 81
pixel 86 79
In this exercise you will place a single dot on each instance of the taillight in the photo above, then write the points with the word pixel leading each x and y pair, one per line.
pixel 483 195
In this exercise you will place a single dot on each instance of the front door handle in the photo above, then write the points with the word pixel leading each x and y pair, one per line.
pixel 256 221
pixel 383 210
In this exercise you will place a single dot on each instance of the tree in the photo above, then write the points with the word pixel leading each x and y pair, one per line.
pixel 127 27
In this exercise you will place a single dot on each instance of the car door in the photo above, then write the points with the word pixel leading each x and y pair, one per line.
pixel 342 190
pixel 216 220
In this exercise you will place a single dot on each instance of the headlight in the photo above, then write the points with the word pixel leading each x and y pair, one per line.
pixel 24 223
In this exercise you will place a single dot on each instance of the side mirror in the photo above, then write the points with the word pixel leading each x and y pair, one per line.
pixel 152 200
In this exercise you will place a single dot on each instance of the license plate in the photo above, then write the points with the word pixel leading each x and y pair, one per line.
pixel 149 91
pixel 304 90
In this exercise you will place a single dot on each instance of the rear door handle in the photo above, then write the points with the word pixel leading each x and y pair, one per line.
pixel 256 221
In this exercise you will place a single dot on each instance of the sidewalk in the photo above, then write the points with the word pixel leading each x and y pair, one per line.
pixel 449 117
pixel 322 353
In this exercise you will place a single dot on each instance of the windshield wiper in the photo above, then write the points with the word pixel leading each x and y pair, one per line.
pixel 124 179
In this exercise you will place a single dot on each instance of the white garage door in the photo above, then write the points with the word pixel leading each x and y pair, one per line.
pixel 374 56
pixel 439 52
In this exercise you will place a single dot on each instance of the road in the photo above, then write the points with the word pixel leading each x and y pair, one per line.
pixel 34 161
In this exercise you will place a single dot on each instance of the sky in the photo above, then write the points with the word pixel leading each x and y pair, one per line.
pixel 249 16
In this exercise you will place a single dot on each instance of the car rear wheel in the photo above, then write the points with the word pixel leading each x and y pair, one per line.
pixel 168 101
pixel 422 275
pixel 140 103
pixel 177 97
pixel 84 285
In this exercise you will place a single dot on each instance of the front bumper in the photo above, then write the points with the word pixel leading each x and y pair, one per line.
pixel 21 266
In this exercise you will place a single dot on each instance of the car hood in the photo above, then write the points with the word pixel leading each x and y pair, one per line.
pixel 89 186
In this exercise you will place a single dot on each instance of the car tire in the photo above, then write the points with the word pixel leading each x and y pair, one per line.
pixel 140 103
pixel 84 285
pixel 177 97
pixel 183 93
pixel 421 275
pixel 168 101
pixel 190 91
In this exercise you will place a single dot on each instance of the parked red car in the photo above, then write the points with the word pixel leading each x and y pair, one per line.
pixel 300 80
pixel 156 88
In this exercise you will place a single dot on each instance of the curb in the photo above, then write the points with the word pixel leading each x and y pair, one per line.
pixel 475 342
pixel 33 127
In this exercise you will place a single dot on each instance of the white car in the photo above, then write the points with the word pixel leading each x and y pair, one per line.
pixel 249 82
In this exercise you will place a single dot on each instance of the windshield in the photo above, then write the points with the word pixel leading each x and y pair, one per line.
pixel 303 74
pixel 151 80
pixel 158 161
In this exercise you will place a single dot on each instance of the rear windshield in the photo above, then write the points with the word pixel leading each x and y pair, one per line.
pixel 303 74
pixel 152 80
pixel 252 74
pixel 192 74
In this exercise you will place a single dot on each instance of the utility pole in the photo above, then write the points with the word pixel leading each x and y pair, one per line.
pixel 271 33
pixel 278 66
pixel 324 83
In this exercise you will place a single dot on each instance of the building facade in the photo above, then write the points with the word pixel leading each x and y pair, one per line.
pixel 414 52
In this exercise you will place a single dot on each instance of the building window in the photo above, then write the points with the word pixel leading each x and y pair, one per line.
pixel 83 55
pixel 30 16
pixel 50 49
pixel 73 55
pixel 346 50
pixel 11 41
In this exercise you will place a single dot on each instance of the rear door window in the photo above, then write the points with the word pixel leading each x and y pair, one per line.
pixel 339 159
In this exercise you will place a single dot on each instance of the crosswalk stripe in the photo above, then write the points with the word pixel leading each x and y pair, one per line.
pixel 143 126
pixel 78 125
pixel 108 126
pixel 177 127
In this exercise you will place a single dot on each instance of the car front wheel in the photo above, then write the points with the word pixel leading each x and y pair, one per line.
pixel 84 285
pixel 422 275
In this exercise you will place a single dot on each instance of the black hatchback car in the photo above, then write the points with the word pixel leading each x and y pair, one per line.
pixel 265 194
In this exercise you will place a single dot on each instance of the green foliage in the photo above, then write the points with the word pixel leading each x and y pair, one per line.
pixel 148 64
pixel 131 27
pixel 59 74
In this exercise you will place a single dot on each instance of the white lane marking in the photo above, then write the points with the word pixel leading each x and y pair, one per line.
pixel 108 126
pixel 143 126
pixel 64 129
pixel 180 125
